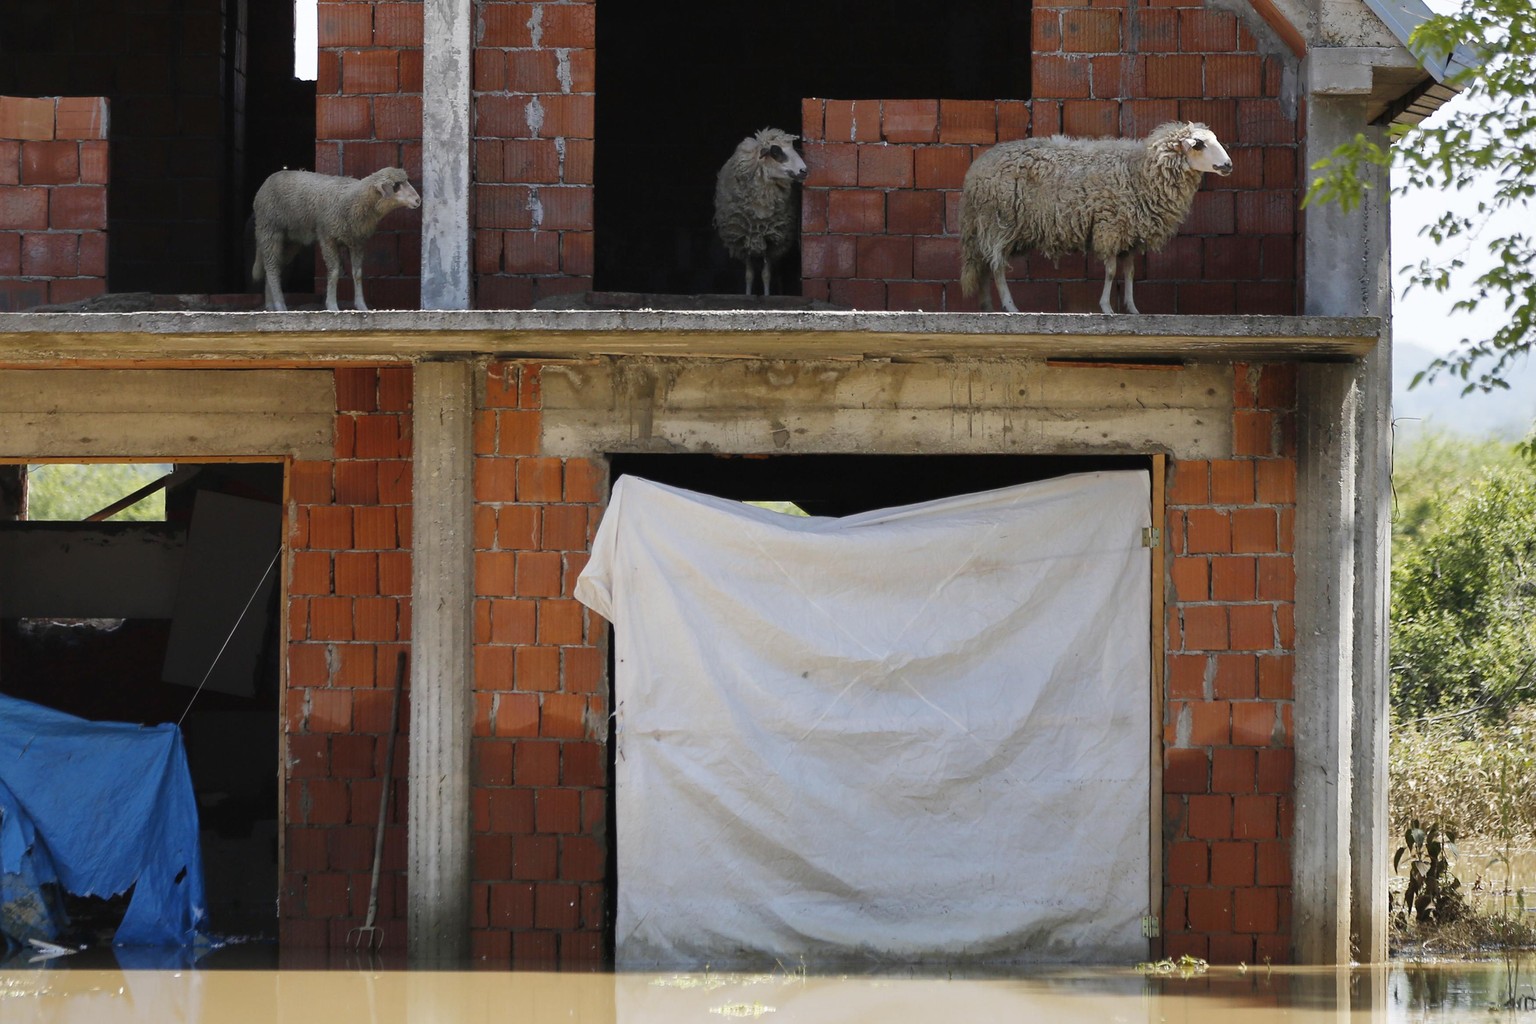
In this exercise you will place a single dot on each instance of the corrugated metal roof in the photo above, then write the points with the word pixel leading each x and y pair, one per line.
pixel 1403 16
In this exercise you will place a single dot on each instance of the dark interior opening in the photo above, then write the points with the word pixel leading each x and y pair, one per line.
pixel 154 622
pixel 831 485
pixel 203 105
pixel 842 485
pixel 726 70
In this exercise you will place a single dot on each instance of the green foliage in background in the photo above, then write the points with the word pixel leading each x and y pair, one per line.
pixel 69 492
pixel 1464 602
pixel 1463 745
pixel 1433 469
pixel 1493 133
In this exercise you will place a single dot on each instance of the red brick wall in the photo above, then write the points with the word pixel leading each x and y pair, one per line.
pixel 880 218
pixel 534 82
pixel 368 116
pixel 541 700
pixel 1231 637
pixel 349 584
pixel 53 200
pixel 540 730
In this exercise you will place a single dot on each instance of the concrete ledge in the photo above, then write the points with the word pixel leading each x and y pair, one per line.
pixel 176 338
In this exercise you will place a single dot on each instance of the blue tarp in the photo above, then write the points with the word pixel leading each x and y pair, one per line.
pixel 97 807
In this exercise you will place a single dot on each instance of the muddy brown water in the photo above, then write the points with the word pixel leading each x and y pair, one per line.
pixel 1429 993
pixel 1492 872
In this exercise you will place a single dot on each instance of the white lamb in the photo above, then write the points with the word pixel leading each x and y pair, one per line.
pixel 1109 197
pixel 298 208
pixel 754 201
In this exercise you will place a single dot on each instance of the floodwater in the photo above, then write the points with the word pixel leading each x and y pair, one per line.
pixel 1418 993
pixel 1490 872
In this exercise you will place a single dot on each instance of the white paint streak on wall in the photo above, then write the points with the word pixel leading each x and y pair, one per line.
pixel 534 112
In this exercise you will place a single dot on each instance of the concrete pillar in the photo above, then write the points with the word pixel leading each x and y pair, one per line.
pixel 446 56
pixel 442 691
pixel 1327 400
pixel 1359 242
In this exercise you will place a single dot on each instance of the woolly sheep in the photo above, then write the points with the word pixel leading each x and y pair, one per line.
pixel 1109 197
pixel 297 208
pixel 754 201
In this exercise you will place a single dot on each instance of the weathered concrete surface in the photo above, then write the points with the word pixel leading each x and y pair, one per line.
pixel 161 414
pixel 1349 274
pixel 445 106
pixel 168 339
pixel 438 873
pixel 1325 614
pixel 758 406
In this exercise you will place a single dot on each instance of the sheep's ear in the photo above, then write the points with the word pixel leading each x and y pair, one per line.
pixel 385 187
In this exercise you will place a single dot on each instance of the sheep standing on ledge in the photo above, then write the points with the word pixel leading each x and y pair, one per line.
pixel 755 212
pixel 297 208
pixel 1109 197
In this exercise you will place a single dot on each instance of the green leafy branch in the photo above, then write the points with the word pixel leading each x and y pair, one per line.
pixel 1493 133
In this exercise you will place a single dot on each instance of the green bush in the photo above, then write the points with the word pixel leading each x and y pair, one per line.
pixel 1464 600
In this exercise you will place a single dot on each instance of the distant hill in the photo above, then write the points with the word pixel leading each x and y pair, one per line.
pixel 1505 414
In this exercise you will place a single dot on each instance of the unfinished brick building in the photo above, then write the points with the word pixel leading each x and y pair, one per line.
pixel 439 470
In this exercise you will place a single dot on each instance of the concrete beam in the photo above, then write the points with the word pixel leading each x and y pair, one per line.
pixel 1327 452
pixel 161 414
pixel 445 153
pixel 761 406
pixel 442 677
pixel 224 339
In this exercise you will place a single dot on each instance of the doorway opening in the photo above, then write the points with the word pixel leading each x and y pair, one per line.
pixel 170 618
pixel 842 485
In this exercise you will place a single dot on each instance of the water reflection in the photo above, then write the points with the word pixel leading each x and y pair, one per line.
pixel 1428 993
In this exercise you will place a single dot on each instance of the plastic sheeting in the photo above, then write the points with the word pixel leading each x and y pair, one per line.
pixel 97 807
pixel 914 734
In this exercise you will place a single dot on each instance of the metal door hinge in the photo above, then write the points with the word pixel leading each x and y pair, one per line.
pixel 1150 927
pixel 1151 536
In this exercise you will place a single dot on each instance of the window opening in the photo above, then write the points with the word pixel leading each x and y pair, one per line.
pixel 305 54
pixel 653 217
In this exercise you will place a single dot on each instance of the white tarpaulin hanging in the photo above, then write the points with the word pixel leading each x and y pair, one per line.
pixel 919 733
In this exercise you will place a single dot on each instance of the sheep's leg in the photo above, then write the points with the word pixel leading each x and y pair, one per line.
pixel 751 276
pixel 356 259
pixel 332 257
pixel 1109 280
pixel 1127 279
pixel 271 253
pixel 273 268
pixel 767 276
pixel 1000 279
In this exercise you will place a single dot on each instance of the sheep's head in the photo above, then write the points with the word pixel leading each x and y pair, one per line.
pixel 1195 145
pixel 395 189
pixel 777 157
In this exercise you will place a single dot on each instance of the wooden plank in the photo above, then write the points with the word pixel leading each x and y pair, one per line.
pixel 1159 655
